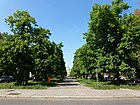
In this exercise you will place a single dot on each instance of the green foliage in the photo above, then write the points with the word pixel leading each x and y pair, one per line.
pixel 21 22
pixel 28 49
pixel 80 61
pixel 112 41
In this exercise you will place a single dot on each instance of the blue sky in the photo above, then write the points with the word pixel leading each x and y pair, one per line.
pixel 66 19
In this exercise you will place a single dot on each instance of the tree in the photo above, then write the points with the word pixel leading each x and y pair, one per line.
pixel 41 48
pixel 17 55
pixel 112 39
pixel 81 62
pixel 48 57
pixel 29 49
pixel 105 33
pixel 58 67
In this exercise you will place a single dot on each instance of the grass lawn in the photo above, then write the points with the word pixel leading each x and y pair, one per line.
pixel 31 85
pixel 109 84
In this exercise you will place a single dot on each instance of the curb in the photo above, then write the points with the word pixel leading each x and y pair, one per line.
pixel 83 97
pixel 69 97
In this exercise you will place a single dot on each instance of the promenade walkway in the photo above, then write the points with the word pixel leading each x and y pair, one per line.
pixel 69 88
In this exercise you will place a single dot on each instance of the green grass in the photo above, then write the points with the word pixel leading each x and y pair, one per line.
pixel 31 85
pixel 109 84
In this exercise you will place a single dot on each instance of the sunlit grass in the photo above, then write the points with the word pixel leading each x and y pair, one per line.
pixel 31 85
pixel 108 84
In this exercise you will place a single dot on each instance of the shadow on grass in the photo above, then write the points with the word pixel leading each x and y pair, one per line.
pixel 41 83
pixel 110 84
pixel 117 83
pixel 121 82
pixel 31 85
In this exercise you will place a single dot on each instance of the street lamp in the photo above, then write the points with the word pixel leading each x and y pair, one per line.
pixel 97 78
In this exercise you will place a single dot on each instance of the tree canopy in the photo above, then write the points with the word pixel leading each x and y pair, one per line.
pixel 28 49
pixel 112 41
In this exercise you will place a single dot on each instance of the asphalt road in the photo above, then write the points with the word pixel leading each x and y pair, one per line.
pixel 7 101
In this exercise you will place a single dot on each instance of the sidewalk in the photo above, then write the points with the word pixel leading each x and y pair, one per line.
pixel 68 89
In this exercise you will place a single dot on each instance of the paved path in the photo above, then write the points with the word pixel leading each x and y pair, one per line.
pixel 70 88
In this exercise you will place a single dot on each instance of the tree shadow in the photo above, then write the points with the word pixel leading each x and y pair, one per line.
pixel 67 84
pixel 122 82
pixel 44 83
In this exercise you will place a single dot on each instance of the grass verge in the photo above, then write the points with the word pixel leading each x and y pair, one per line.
pixel 105 85
pixel 31 85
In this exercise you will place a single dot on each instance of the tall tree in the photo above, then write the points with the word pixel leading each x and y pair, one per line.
pixel 41 48
pixel 28 49
pixel 17 49
pixel 113 38
pixel 105 32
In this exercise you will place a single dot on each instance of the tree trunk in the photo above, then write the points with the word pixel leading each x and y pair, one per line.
pixel 118 76
pixel 37 75
pixel 92 76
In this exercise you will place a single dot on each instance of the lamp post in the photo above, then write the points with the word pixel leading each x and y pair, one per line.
pixel 97 78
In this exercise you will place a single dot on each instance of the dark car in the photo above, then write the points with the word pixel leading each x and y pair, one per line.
pixel 2 79
pixel 7 79
pixel 134 80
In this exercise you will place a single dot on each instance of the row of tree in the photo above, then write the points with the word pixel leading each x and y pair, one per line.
pixel 112 43
pixel 28 49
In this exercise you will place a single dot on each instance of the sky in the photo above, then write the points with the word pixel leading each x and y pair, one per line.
pixel 66 19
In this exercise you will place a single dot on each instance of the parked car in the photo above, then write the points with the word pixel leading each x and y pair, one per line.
pixel 7 79
pixel 2 79
pixel 134 80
